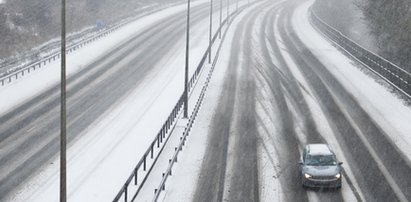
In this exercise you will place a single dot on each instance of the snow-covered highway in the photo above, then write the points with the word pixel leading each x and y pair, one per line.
pixel 120 91
pixel 278 85
pixel 285 86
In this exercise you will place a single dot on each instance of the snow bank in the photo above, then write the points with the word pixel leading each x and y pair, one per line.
pixel 386 109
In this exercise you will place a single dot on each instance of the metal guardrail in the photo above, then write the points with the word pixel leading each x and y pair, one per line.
pixel 159 140
pixel 56 54
pixel 393 74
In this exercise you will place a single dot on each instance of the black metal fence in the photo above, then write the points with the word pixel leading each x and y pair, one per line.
pixel 157 144
pixel 393 74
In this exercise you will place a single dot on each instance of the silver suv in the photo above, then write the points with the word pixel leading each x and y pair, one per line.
pixel 319 167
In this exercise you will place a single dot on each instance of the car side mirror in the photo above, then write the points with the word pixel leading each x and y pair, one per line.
pixel 300 162
pixel 340 163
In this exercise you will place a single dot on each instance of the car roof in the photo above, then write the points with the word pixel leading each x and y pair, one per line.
pixel 319 149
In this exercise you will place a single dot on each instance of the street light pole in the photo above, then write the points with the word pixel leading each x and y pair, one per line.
pixel 63 171
pixel 228 11
pixel 221 16
pixel 187 61
pixel 210 35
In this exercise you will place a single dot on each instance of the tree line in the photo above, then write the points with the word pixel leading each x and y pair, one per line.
pixel 388 23
pixel 27 24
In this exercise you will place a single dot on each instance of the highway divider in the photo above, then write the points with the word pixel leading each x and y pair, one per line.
pixel 173 160
pixel 123 194
pixel 393 74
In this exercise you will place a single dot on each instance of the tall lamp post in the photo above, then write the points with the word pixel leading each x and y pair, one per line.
pixel 228 11
pixel 210 35
pixel 221 17
pixel 63 174
pixel 187 61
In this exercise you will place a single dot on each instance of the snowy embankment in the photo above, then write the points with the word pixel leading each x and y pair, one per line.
pixel 102 158
pixel 20 61
pixel 385 107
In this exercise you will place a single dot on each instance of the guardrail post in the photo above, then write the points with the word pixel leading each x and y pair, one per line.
pixel 125 194
pixel 152 152
pixel 135 176
pixel 176 156
pixel 164 185
pixel 144 163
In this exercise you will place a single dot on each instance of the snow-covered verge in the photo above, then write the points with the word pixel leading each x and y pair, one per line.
pixel 387 110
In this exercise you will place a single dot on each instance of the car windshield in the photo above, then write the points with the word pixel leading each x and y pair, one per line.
pixel 320 160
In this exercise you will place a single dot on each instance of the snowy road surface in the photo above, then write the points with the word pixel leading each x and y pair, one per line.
pixel 285 86
pixel 144 68
pixel 277 86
